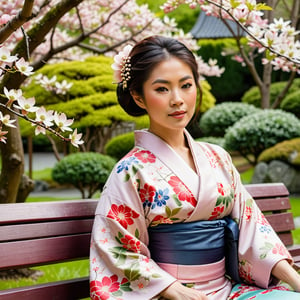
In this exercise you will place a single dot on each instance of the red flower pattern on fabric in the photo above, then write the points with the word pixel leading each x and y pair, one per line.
pixel 182 191
pixel 147 193
pixel 130 243
pixel 248 213
pixel 145 156
pixel 217 212
pixel 123 214
pixel 101 290
pixel 279 249
pixel 221 189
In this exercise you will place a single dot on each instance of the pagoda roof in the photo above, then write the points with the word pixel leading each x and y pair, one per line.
pixel 212 27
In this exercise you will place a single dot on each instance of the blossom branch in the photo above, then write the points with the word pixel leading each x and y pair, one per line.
pixel 271 49
pixel 25 117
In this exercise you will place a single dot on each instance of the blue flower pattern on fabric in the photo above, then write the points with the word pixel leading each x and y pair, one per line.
pixel 125 164
pixel 161 197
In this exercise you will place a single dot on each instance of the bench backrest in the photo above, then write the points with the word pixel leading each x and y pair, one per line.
pixel 47 232
pixel 273 200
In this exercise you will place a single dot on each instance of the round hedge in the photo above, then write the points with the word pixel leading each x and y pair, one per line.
pixel 84 170
pixel 253 134
pixel 287 151
pixel 291 103
pixel 253 96
pixel 216 120
pixel 120 145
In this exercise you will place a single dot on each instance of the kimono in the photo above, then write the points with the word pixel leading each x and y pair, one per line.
pixel 152 185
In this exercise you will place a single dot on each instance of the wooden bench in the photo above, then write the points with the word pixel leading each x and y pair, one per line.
pixel 33 234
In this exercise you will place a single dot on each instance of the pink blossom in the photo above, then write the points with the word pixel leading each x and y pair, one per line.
pixel 75 138
pixel 26 105
pixel 24 67
pixel 62 122
pixel 5 120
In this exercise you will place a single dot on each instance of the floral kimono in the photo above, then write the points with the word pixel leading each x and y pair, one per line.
pixel 152 185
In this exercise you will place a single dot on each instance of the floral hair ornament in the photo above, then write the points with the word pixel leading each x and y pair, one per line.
pixel 121 66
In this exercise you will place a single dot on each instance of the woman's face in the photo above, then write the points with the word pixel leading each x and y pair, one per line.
pixel 170 95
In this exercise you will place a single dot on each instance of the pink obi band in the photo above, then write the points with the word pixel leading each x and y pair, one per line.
pixel 195 273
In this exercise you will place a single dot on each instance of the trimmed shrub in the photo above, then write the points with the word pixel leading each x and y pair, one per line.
pixel 254 133
pixel 252 96
pixel 215 121
pixel 120 145
pixel 86 171
pixel 291 103
pixel 287 151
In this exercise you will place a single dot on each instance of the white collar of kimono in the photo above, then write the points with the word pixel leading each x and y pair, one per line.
pixel 165 153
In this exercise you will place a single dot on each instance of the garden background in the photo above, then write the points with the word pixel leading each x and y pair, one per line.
pixel 92 103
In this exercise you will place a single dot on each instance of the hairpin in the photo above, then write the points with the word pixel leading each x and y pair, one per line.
pixel 121 66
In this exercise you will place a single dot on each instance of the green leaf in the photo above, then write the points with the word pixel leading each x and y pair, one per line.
pixel 177 201
pixel 132 273
pixel 263 6
pixel 175 211
pixel 127 177
pixel 137 233
pixel 168 211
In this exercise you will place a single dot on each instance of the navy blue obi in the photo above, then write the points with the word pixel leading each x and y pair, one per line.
pixel 192 243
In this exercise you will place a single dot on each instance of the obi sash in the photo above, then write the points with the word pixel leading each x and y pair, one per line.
pixel 195 243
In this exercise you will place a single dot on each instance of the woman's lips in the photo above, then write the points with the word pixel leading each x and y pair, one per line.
pixel 178 114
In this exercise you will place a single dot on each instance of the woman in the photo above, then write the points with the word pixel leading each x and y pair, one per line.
pixel 168 178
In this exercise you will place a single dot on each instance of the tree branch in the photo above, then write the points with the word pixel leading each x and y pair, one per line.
pixel 23 16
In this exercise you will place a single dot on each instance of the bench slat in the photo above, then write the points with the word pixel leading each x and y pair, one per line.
pixel 25 212
pixel 273 204
pixel 43 251
pixel 44 229
pixel 262 190
pixel 281 222
pixel 62 290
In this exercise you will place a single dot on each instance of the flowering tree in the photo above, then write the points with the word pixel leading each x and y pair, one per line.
pixel 275 39
pixel 34 32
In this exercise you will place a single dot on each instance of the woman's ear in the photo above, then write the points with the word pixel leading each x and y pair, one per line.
pixel 138 99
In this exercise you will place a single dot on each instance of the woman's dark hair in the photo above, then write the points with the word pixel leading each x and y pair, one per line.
pixel 143 58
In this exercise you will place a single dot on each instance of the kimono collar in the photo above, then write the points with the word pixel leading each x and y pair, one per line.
pixel 165 153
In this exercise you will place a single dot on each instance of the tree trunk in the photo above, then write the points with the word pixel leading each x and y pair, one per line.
pixel 12 156
pixel 12 153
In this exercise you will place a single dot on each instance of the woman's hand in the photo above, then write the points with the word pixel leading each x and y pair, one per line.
pixel 177 291
pixel 285 272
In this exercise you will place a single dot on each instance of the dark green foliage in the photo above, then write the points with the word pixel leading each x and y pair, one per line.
pixel 252 96
pixel 120 145
pixel 216 120
pixel 236 79
pixel 291 103
pixel 87 171
pixel 254 133
pixel 287 151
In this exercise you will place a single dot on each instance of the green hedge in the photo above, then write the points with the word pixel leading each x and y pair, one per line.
pixel 120 145
pixel 254 133
pixel 86 171
pixel 287 151
pixel 216 120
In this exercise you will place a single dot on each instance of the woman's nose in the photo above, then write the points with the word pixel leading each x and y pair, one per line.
pixel 176 98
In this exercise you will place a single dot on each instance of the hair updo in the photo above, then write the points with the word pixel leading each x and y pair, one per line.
pixel 144 56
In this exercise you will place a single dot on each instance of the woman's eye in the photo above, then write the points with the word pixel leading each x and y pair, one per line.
pixel 186 85
pixel 161 89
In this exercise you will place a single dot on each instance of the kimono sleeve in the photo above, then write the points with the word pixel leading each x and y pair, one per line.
pixel 259 246
pixel 120 263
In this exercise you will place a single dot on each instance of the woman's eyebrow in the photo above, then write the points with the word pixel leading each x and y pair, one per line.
pixel 159 80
